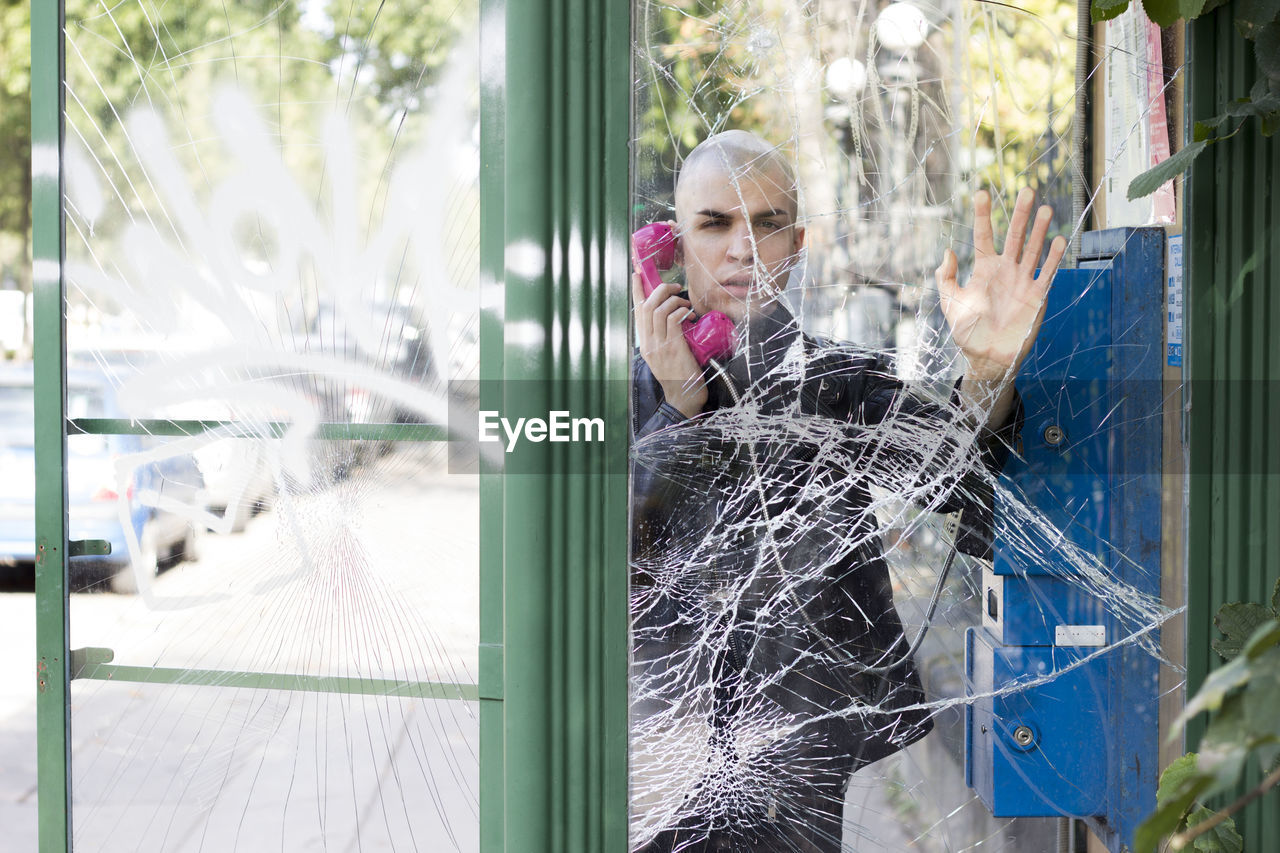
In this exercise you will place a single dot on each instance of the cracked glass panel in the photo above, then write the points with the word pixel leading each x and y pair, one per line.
pixel 272 260
pixel 879 601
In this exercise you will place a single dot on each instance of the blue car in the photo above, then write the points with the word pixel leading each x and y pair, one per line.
pixel 104 503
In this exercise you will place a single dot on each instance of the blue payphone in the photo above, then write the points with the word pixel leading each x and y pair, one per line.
pixel 1063 717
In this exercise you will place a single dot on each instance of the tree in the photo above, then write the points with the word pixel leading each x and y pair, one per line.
pixel 15 143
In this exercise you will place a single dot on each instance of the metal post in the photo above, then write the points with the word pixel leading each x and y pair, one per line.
pixel 566 346
pixel 47 244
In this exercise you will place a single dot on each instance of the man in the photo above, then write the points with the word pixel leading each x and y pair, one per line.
pixel 769 661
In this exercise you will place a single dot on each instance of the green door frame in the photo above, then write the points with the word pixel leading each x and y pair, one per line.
pixel 553 581
pixel 53 711
pixel 1232 283
pixel 566 190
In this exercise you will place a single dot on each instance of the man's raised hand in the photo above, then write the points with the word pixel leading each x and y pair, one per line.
pixel 995 317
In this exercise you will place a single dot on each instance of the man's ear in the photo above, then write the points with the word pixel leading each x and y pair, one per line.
pixel 679 261
pixel 799 244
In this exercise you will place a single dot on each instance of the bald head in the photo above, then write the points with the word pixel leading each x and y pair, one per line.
pixel 741 156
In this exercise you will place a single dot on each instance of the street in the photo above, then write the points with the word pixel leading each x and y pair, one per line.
pixel 372 577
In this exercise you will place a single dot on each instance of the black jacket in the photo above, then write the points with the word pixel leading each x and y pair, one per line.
pixel 757 567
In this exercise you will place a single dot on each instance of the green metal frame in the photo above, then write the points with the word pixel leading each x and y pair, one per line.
pixel 565 199
pixel 271 429
pixel 553 579
pixel 53 713
pixel 1233 310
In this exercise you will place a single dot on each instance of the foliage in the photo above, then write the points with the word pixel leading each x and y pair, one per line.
pixel 704 66
pixel 1244 698
pixel 700 73
pixel 175 56
pixel 1258 22
pixel 15 128
pixel 401 46
pixel 1020 91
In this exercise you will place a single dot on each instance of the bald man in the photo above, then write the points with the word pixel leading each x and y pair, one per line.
pixel 762 608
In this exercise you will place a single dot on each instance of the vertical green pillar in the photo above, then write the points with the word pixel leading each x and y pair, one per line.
pixel 52 708
pixel 566 127
pixel 1233 310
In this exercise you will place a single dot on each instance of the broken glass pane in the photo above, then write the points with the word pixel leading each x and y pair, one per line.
pixel 819 517
pixel 272 260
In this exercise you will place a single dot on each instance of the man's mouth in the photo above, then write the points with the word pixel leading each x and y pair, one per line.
pixel 739 287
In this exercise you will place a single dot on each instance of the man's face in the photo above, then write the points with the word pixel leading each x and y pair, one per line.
pixel 738 239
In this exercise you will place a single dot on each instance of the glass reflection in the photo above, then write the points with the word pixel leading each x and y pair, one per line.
pixel 272 217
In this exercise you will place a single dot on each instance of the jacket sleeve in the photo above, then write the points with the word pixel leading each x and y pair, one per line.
pixel 650 411
pixel 872 396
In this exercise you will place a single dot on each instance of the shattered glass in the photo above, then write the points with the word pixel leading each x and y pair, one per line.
pixel 809 553
pixel 272 264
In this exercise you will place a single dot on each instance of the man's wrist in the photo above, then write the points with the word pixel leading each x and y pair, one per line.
pixel 686 407
pixel 989 372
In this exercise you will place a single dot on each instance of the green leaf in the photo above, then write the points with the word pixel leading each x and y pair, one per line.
pixel 1268 124
pixel 1267 50
pixel 1250 107
pixel 1154 178
pixel 1237 620
pixel 1224 749
pixel 1268 758
pixel 1202 130
pixel 1258 11
pixel 1164 821
pixel 1105 10
pixel 1220 682
pixel 1223 838
pixel 1167 12
pixel 1266 636
pixel 1181 772
pixel 1275 599
pixel 1261 698
pixel 1252 15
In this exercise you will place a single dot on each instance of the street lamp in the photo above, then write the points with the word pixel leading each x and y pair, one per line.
pixel 901 27
pixel 846 78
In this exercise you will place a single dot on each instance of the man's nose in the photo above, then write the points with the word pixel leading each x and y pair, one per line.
pixel 742 244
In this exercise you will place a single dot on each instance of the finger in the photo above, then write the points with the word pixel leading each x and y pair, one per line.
pixel 1057 249
pixel 1040 230
pixel 983 239
pixel 945 275
pixel 644 314
pixel 1018 225
pixel 662 293
pixel 663 313
pixel 674 319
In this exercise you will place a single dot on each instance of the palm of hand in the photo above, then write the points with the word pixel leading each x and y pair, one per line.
pixel 994 318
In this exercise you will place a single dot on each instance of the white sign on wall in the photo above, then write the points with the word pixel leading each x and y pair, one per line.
pixel 1136 130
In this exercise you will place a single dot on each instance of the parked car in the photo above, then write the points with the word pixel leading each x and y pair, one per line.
pixel 395 344
pixel 238 483
pixel 101 505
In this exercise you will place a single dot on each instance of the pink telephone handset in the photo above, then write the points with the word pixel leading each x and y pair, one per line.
pixel 653 248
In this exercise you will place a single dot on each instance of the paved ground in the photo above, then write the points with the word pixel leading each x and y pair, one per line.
pixel 187 768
